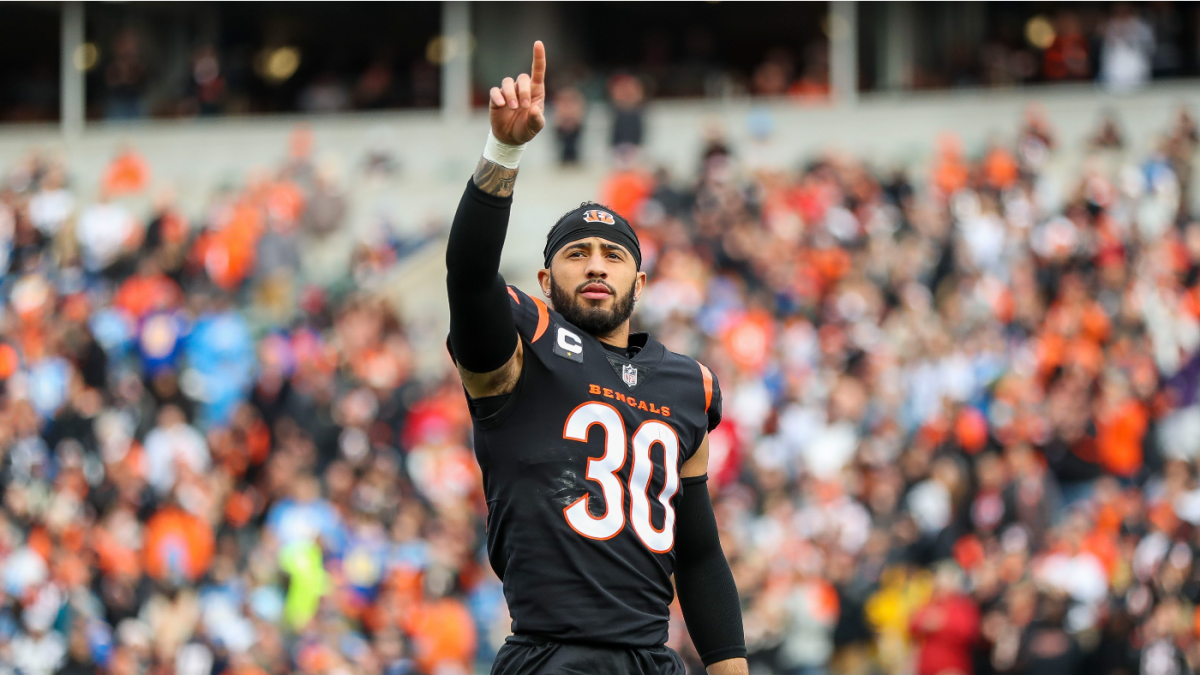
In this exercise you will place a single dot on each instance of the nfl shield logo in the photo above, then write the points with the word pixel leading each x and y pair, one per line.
pixel 629 375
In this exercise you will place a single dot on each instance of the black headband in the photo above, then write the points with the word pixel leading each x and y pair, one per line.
pixel 590 220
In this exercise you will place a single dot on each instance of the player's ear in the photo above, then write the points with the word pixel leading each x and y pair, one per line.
pixel 544 281
pixel 638 284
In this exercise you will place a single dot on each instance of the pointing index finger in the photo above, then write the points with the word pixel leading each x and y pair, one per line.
pixel 538 72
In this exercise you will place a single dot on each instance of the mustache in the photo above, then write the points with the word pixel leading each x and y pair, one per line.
pixel 580 287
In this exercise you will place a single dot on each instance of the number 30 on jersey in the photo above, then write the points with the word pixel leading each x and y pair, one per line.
pixel 604 470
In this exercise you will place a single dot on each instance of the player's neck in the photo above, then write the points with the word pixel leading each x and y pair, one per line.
pixel 618 338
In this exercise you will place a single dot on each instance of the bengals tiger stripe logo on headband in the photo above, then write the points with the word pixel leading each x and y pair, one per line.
pixel 595 216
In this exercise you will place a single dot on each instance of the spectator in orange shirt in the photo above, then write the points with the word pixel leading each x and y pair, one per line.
pixel 626 190
pixel 127 174
pixel 950 172
pixel 1000 168
pixel 147 291
pixel 1121 423
pixel 442 629
pixel 177 545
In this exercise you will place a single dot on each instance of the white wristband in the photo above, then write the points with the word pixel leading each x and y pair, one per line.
pixel 507 156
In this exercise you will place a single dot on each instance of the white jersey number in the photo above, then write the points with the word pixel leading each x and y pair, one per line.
pixel 604 470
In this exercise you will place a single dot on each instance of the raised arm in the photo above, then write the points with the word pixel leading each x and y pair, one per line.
pixel 483 337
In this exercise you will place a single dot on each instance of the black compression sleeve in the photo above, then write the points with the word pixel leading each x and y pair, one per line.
pixel 482 332
pixel 707 594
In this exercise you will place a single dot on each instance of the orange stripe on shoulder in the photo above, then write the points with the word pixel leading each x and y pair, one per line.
pixel 707 375
pixel 514 295
pixel 543 318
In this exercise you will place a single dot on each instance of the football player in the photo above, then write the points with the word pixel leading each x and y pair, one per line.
pixel 593 441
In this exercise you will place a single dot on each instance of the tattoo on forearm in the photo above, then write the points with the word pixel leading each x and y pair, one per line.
pixel 494 179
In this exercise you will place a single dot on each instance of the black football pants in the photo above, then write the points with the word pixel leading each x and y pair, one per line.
pixel 522 655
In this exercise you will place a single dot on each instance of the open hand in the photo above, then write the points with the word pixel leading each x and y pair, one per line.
pixel 517 109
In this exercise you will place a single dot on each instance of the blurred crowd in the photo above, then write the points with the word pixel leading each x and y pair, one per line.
pixel 961 423
pixel 330 59
pixel 1119 46
pixel 210 462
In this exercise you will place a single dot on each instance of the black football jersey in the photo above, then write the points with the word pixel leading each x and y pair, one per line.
pixel 581 472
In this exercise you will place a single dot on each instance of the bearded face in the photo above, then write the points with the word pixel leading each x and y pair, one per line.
pixel 594 284
pixel 586 307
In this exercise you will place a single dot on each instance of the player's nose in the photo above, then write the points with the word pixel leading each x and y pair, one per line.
pixel 597 266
